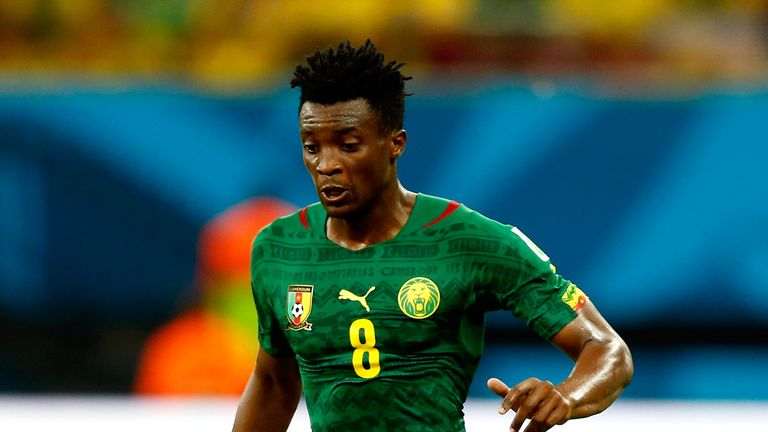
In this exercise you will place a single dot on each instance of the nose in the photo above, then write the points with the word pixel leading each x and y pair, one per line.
pixel 328 164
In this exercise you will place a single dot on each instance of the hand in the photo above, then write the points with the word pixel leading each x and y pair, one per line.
pixel 537 400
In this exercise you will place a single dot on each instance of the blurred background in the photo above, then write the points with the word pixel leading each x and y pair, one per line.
pixel 144 143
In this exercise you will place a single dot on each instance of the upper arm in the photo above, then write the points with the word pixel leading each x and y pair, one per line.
pixel 588 326
pixel 280 371
pixel 270 331
pixel 272 338
pixel 520 278
pixel 271 395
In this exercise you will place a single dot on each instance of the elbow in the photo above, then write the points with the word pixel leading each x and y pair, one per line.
pixel 624 364
pixel 620 366
pixel 617 360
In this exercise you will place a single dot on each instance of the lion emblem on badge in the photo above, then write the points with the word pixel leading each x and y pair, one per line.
pixel 419 297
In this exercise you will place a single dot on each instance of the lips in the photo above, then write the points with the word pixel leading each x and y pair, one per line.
pixel 333 193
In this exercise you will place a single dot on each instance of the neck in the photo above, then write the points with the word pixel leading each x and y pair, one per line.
pixel 380 223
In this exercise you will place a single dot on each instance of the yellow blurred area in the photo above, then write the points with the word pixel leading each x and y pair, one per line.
pixel 270 35
pixel 231 44
pixel 623 18
pixel 227 42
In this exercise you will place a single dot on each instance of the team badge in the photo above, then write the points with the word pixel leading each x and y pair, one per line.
pixel 299 306
pixel 574 297
pixel 418 298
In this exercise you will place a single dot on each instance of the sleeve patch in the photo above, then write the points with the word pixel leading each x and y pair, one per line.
pixel 574 297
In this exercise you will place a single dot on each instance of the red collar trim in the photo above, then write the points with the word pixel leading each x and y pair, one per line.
pixel 303 218
pixel 452 206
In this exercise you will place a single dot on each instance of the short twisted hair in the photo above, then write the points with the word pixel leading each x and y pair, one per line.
pixel 347 73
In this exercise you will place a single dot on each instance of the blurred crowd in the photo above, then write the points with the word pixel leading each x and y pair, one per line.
pixel 232 44
pixel 57 169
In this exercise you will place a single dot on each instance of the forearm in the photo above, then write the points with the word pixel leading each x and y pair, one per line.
pixel 603 367
pixel 600 374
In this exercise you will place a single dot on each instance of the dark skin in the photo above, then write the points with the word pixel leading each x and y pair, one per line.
pixel 271 396
pixel 353 165
pixel 354 168
pixel 603 367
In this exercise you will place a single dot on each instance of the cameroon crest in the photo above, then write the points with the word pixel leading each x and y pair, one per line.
pixel 299 306
pixel 418 298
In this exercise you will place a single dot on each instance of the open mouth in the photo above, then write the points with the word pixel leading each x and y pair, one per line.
pixel 333 193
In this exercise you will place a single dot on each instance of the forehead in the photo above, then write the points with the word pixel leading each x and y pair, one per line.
pixel 352 114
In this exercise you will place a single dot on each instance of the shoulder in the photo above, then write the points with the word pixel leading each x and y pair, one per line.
pixel 466 229
pixel 459 217
pixel 285 229
pixel 282 240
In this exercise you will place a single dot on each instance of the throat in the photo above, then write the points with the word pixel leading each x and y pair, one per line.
pixel 382 224
pixel 358 235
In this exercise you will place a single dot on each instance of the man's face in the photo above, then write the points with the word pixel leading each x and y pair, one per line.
pixel 351 162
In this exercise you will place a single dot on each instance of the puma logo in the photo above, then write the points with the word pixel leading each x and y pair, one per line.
pixel 346 295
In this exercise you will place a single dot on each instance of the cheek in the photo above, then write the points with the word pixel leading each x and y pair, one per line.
pixel 310 160
pixel 373 173
pixel 309 164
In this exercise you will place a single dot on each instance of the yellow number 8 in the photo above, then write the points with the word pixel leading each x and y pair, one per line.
pixel 362 348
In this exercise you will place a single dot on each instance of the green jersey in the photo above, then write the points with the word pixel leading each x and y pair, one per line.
pixel 388 337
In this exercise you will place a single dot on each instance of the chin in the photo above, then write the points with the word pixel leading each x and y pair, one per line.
pixel 338 213
pixel 345 211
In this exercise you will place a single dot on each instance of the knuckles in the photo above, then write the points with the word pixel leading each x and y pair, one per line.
pixel 540 401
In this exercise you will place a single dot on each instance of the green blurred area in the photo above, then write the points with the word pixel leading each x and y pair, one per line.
pixel 236 44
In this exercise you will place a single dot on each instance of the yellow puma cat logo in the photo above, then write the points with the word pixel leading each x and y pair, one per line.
pixel 346 295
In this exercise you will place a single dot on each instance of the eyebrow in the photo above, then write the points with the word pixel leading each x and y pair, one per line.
pixel 345 130
pixel 341 131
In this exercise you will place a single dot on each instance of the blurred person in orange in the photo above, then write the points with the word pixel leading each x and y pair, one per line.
pixel 210 348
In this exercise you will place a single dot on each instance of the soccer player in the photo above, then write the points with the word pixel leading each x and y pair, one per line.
pixel 372 301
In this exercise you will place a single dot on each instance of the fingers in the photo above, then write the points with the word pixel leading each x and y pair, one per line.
pixel 526 404
pixel 502 390
pixel 546 410
pixel 540 421
pixel 532 399
pixel 497 386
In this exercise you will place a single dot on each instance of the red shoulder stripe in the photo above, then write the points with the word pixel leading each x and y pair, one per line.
pixel 303 218
pixel 452 206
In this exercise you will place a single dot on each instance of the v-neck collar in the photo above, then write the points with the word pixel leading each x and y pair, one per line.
pixel 317 218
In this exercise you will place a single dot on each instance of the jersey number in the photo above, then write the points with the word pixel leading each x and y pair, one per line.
pixel 363 348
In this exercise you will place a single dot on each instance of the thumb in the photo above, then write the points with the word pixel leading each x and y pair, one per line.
pixel 498 387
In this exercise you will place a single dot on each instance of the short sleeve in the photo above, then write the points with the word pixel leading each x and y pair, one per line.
pixel 529 286
pixel 271 334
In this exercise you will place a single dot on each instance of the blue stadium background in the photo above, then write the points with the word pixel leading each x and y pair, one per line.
pixel 656 207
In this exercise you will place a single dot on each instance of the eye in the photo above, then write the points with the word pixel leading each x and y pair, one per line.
pixel 350 146
pixel 310 148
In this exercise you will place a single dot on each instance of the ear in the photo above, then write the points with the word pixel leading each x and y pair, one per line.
pixel 397 142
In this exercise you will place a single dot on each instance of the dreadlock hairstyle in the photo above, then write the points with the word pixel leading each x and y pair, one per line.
pixel 347 73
